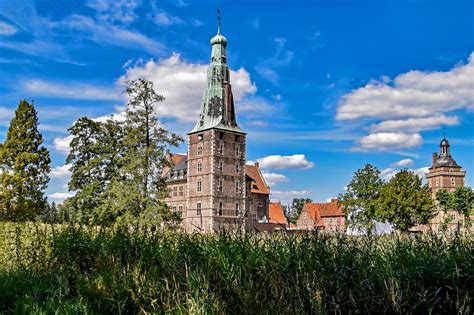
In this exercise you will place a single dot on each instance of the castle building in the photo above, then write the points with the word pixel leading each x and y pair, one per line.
pixel 444 172
pixel 211 186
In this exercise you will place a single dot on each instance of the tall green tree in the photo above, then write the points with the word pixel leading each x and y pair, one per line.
pixel 405 202
pixel 96 156
pixel 141 188
pixel 24 167
pixel 362 198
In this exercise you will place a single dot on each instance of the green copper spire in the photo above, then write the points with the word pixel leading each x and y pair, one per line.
pixel 217 105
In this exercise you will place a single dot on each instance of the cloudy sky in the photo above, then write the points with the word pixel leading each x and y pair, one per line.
pixel 321 89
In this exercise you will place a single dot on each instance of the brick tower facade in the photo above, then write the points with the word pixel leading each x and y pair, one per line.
pixel 445 173
pixel 216 154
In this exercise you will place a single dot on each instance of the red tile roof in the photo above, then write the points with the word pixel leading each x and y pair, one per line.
pixel 258 185
pixel 313 212
pixel 275 213
pixel 331 209
pixel 176 158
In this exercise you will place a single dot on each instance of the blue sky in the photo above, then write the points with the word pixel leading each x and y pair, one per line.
pixel 321 87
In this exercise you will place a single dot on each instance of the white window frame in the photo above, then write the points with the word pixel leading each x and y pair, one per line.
pixel 199 150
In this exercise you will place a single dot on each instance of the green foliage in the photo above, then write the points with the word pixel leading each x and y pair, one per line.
pixel 88 270
pixel 361 201
pixel 24 167
pixel 405 202
pixel 461 200
pixel 117 166
pixel 296 208
pixel 96 156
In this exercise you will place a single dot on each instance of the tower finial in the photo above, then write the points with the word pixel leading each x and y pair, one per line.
pixel 218 21
pixel 444 132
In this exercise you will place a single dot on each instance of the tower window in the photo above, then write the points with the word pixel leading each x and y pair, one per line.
pixel 237 168
pixel 237 186
pixel 199 186
pixel 199 167
pixel 437 182
pixel 220 187
pixel 200 137
pixel 237 209
pixel 237 150
pixel 237 138
pixel 221 166
pixel 198 208
pixel 220 208
pixel 199 150
pixel 453 181
pixel 221 135
pixel 221 148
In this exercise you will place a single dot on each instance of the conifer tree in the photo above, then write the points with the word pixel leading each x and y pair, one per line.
pixel 141 189
pixel 24 167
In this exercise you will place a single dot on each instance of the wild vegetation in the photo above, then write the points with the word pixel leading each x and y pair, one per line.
pixel 79 269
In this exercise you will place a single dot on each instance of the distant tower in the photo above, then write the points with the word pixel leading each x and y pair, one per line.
pixel 216 153
pixel 445 172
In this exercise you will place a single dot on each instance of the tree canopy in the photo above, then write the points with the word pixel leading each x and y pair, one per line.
pixel 24 167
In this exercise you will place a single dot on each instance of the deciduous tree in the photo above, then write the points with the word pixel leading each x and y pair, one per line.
pixel 405 202
pixel 362 198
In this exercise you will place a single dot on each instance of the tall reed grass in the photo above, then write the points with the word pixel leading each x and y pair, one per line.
pixel 74 269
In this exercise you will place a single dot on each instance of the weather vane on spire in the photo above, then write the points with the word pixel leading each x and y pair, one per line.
pixel 444 132
pixel 218 21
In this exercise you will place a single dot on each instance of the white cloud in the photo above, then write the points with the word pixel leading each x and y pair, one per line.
pixel 286 197
pixel 388 141
pixel 273 178
pixel 60 195
pixel 415 124
pixel 61 171
pixel 62 144
pixel 112 11
pixel 71 91
pixel 103 32
pixel 296 161
pixel 6 114
pixel 7 29
pixel 182 85
pixel 165 19
pixel 402 163
pixel 387 173
pixel 413 102
pixel 413 94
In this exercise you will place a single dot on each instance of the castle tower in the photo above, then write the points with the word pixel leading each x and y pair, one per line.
pixel 445 173
pixel 216 154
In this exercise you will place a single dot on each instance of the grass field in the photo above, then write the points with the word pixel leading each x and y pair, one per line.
pixel 70 270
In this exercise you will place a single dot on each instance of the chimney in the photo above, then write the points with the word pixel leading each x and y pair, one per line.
pixel 257 165
pixel 435 158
